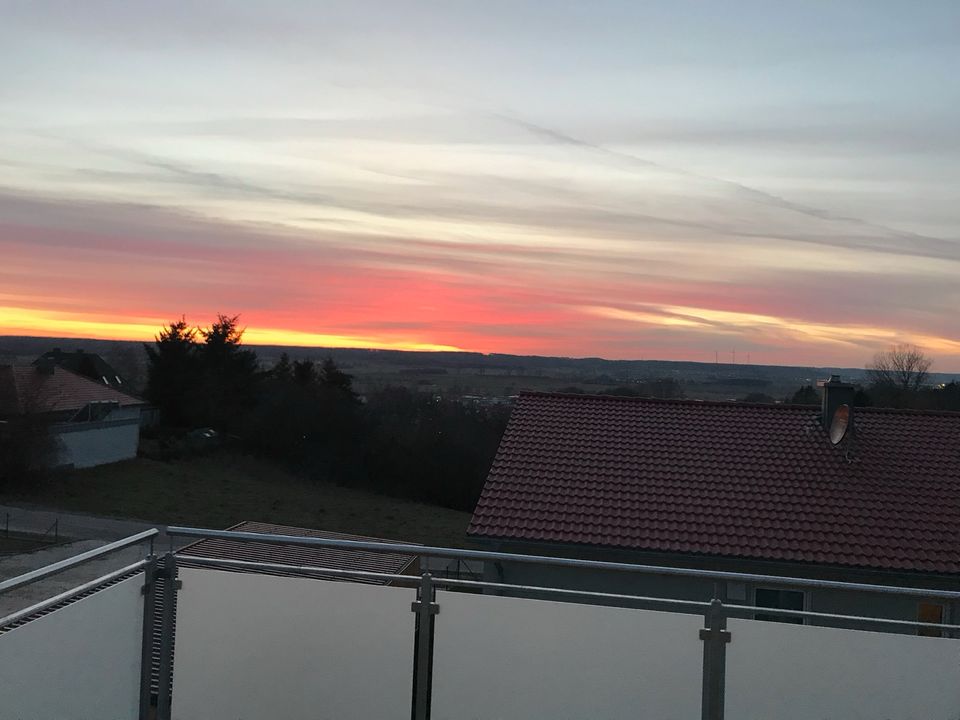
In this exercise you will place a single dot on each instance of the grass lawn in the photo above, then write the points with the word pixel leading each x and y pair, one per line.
pixel 219 490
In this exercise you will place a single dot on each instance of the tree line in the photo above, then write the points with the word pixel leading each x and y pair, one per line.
pixel 307 416
pixel 897 377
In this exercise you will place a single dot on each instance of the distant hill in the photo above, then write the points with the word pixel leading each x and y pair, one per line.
pixel 486 374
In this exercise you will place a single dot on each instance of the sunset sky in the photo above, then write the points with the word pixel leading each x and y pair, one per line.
pixel 617 179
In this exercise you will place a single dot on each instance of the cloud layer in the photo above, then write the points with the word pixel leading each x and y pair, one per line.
pixel 451 180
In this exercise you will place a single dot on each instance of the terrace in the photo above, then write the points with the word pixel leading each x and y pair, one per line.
pixel 214 637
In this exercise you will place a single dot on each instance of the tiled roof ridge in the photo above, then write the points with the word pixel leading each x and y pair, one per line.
pixel 729 403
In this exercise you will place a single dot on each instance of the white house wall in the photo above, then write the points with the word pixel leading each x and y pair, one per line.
pixel 98 443
pixel 842 602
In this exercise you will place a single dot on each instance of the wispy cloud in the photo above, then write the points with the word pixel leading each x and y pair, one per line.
pixel 626 181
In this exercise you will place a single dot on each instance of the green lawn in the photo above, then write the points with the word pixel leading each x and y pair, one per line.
pixel 220 490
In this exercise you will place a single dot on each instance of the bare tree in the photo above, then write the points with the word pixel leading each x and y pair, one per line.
pixel 902 366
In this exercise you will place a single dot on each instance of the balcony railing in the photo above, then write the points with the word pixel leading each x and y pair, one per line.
pixel 213 638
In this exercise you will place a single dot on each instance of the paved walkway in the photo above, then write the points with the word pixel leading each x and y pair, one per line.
pixel 75 526
pixel 85 532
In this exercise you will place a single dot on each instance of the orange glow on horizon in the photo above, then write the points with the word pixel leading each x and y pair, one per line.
pixel 676 319
pixel 39 323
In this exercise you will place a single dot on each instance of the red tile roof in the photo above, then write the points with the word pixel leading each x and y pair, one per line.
pixel 28 389
pixel 728 479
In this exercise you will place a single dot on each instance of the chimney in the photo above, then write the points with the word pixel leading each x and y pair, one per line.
pixel 835 394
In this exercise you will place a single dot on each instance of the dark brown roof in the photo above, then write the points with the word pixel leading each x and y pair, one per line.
pixel 728 479
pixel 334 558
pixel 88 364
pixel 26 389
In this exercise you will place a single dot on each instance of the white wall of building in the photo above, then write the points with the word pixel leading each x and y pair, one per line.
pixel 87 444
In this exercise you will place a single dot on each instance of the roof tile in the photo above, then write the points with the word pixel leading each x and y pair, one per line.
pixel 730 479
pixel 25 389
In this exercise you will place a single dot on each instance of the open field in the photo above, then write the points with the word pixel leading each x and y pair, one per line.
pixel 455 374
pixel 222 489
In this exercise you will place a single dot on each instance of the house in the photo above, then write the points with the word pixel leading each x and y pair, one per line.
pixel 88 364
pixel 859 495
pixel 92 423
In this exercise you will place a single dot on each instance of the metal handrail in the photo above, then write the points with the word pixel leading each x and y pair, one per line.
pixel 59 567
pixel 732 609
pixel 72 592
pixel 387 547
pixel 188 560
pixel 740 610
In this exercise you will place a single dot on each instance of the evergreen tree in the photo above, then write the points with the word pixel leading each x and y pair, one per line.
pixel 230 373
pixel 305 373
pixel 806 395
pixel 333 377
pixel 173 373
pixel 282 370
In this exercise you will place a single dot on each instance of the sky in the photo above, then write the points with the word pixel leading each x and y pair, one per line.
pixel 643 180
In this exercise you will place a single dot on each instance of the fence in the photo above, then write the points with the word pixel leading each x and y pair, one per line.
pixel 253 645
pixel 19 542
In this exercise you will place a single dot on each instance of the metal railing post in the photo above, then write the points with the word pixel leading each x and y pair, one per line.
pixel 426 609
pixel 164 684
pixel 715 637
pixel 146 652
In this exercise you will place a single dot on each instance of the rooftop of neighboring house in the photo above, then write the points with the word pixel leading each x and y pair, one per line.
pixel 47 388
pixel 84 363
pixel 726 479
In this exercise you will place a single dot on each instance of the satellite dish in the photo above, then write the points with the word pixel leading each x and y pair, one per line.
pixel 839 424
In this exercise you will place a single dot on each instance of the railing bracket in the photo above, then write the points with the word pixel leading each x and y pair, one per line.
pixel 712 634
pixel 432 608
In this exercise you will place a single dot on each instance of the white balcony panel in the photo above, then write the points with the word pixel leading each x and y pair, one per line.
pixel 79 662
pixel 257 646
pixel 500 658
pixel 796 672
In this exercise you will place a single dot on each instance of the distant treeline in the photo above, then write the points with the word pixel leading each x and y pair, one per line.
pixel 666 388
pixel 944 397
pixel 308 417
